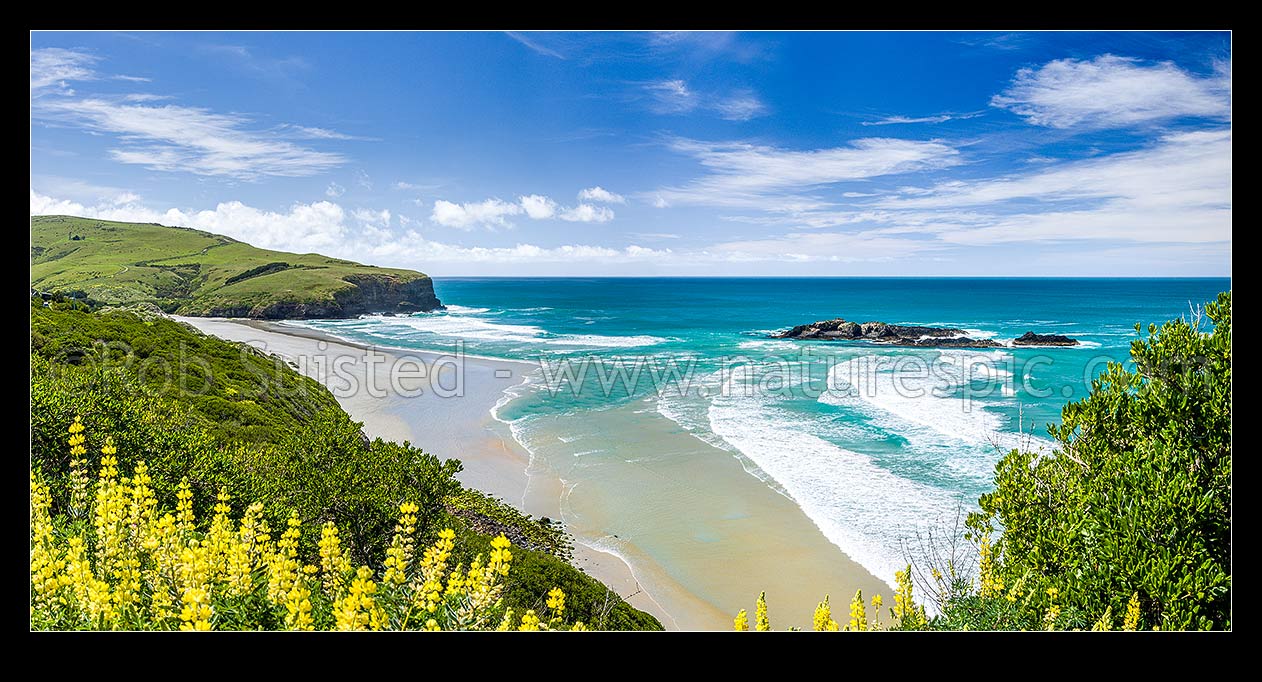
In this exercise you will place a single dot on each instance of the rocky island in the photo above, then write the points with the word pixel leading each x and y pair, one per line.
pixel 910 335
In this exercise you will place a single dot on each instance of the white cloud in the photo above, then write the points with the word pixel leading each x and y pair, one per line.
pixel 533 45
pixel 1111 92
pixel 362 179
pixel 190 139
pixel 55 66
pixel 362 234
pixel 538 207
pixel 601 194
pixel 740 107
pixel 334 190
pixel 311 133
pixel 659 201
pixel 144 97
pixel 587 213
pixel 488 213
pixel 1176 190
pixel 746 175
pixel 495 212
pixel 673 96
pixel 303 228
pixel 131 79
pixel 939 118
pixel 372 218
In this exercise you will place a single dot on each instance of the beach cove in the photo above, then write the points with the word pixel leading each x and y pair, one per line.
pixel 720 534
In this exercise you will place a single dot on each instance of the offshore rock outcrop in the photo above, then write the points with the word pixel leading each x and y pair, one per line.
pixel 913 336
pixel 1032 339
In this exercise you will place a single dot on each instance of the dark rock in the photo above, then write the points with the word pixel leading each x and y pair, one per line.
pixel 1032 339
pixel 911 336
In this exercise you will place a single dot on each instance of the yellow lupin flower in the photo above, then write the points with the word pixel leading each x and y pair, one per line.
pixel 529 622
pixel 991 584
pixel 876 612
pixel 904 602
pixel 1053 609
pixel 858 613
pixel 399 554
pixel 1130 621
pixel 506 623
pixel 761 622
pixel 823 619
pixel 741 622
pixel 334 562
pixel 79 476
pixel 1106 621
pixel 556 601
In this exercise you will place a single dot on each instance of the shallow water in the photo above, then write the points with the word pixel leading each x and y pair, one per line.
pixel 875 445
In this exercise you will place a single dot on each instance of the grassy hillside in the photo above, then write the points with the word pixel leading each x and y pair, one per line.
pixel 192 272
pixel 220 415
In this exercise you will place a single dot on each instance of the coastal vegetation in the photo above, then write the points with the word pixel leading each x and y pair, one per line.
pixel 191 272
pixel 220 416
pixel 1126 525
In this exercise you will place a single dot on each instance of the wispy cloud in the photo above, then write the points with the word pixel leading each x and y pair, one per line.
pixel 1112 92
pixel 131 79
pixel 938 118
pixel 1176 190
pixel 674 96
pixel 534 45
pixel 741 106
pixel 601 194
pixel 706 45
pixel 362 178
pixel 311 133
pixel 285 71
pixel 746 175
pixel 334 190
pixel 671 96
pixel 190 139
pixel 52 68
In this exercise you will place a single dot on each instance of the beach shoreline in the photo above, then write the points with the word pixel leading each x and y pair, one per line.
pixel 494 463
pixel 691 555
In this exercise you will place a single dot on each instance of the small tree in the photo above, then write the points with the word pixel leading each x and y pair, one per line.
pixel 1137 498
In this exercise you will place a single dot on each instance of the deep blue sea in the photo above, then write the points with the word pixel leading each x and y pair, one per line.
pixel 874 444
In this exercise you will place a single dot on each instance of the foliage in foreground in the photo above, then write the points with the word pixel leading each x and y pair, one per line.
pixel 313 459
pixel 115 561
pixel 1127 524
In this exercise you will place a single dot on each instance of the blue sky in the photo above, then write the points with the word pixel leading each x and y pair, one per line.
pixel 846 154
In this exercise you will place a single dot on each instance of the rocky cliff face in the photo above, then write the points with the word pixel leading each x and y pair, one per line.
pixel 387 294
pixel 367 294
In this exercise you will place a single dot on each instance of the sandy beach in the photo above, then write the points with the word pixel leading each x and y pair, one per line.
pixel 714 546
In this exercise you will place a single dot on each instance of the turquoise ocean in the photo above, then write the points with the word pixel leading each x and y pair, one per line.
pixel 876 445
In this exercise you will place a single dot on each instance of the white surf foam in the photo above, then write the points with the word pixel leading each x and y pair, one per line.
pixel 862 508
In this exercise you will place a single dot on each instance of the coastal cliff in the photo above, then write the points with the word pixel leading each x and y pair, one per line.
pixel 197 273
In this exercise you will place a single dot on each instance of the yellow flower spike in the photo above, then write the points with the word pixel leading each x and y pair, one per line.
pixel 858 613
pixel 1106 621
pixel 904 602
pixel 506 623
pixel 741 622
pixel 761 622
pixel 1130 621
pixel 823 619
